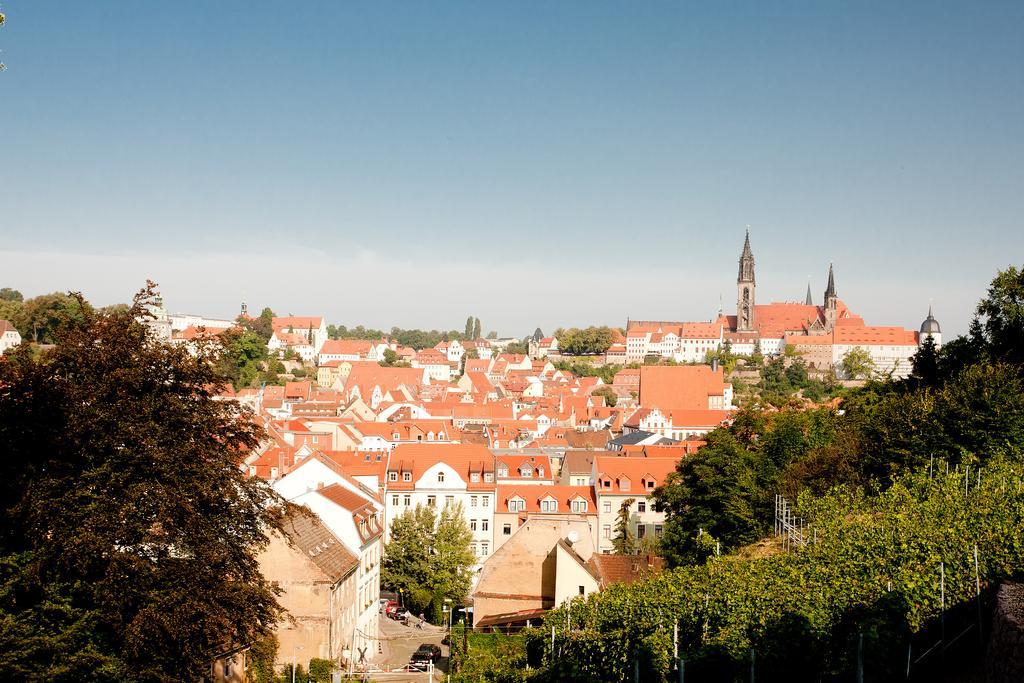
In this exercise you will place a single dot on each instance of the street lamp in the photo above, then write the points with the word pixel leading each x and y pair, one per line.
pixel 294 648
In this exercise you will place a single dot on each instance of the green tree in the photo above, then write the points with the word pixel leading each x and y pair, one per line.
pixel 450 562
pixel 263 325
pixel 469 328
pixel 476 329
pixel 857 364
pixel 128 532
pixel 406 565
pixel 926 364
pixel 8 294
pixel 586 341
pixel 41 317
pixel 1000 316
pixel 624 541
pixel 609 395
pixel 244 353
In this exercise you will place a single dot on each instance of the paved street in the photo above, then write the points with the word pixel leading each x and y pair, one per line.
pixel 398 642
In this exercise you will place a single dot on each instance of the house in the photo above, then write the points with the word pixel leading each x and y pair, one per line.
pixel 676 424
pixel 317 576
pixel 520 581
pixel 517 503
pixel 303 334
pixel 344 349
pixel 439 475
pixel 620 479
pixel 9 336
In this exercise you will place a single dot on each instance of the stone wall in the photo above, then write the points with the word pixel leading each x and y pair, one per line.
pixel 1005 659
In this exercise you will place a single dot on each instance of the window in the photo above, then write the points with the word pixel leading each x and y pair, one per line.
pixel 607 530
pixel 582 590
pixel 483 549
pixel 549 506
pixel 394 500
pixel 472 525
pixel 431 501
pixel 650 483
pixel 440 477
pixel 488 476
pixel 486 501
pixel 526 471
pixel 641 530
pixel 623 484
pixel 502 471
pixel 407 501
pixel 641 506
pixel 475 477
pixel 406 476
pixel 540 471
pixel 606 483
pixel 506 530
pixel 516 505
pixel 472 501
pixel 579 506
pixel 485 525
pixel 392 476
pixel 657 530
pixel 449 500
pixel 607 506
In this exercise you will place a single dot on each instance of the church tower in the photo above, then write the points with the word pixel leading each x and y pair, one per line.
pixel 745 287
pixel 831 302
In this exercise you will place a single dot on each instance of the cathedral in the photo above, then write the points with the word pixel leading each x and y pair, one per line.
pixel 823 334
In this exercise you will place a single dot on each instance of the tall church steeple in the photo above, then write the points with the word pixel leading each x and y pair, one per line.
pixel 745 289
pixel 831 301
pixel 808 301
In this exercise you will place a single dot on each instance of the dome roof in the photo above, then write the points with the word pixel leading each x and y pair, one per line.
pixel 930 324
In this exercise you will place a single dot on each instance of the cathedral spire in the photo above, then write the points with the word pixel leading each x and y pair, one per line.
pixel 808 301
pixel 830 291
pixel 745 288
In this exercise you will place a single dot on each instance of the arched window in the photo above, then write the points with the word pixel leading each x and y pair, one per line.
pixel 440 477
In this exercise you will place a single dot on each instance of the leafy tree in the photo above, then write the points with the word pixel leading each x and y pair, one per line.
pixel 857 364
pixel 610 397
pixel 263 325
pixel 128 533
pixel 1000 316
pixel 261 658
pixel 476 329
pixel 406 565
pixel 42 316
pixel 451 560
pixel 469 327
pixel 243 354
pixel 517 348
pixel 587 341
pixel 926 364
pixel 624 541
pixel 8 294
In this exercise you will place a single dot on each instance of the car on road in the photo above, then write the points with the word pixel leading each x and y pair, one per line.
pixel 427 652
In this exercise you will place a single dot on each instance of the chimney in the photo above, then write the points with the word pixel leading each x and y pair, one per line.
pixel 714 365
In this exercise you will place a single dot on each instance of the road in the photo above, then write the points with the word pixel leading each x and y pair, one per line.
pixel 399 642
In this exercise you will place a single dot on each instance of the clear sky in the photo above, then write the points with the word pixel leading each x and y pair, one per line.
pixel 529 163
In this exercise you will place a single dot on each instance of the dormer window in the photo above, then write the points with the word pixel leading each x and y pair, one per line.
pixel 525 471
pixel 440 477
pixel 579 506
pixel 540 471
pixel 502 471
pixel 392 476
pixel 649 483
pixel 488 476
pixel 406 476
pixel 606 483
pixel 623 484
pixel 516 505
pixel 549 505
pixel 475 477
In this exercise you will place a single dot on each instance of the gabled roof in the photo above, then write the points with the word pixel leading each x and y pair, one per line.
pixel 312 538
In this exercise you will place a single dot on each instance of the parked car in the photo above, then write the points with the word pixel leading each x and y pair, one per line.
pixel 389 608
pixel 427 652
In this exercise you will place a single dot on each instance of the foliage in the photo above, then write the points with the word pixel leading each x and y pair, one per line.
pixel 857 364
pixel 516 348
pixel 8 294
pixel 1000 317
pixel 320 670
pixel 428 559
pixel 624 541
pixel 416 339
pixel 40 318
pixel 586 341
pixel 263 325
pixel 801 612
pixel 260 659
pixel 609 395
pixel 243 353
pixel 392 360
pixel 582 368
pixel 128 533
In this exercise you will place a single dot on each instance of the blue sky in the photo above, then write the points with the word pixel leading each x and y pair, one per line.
pixel 529 163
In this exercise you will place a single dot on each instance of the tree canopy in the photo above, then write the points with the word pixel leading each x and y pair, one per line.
pixel 128 533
